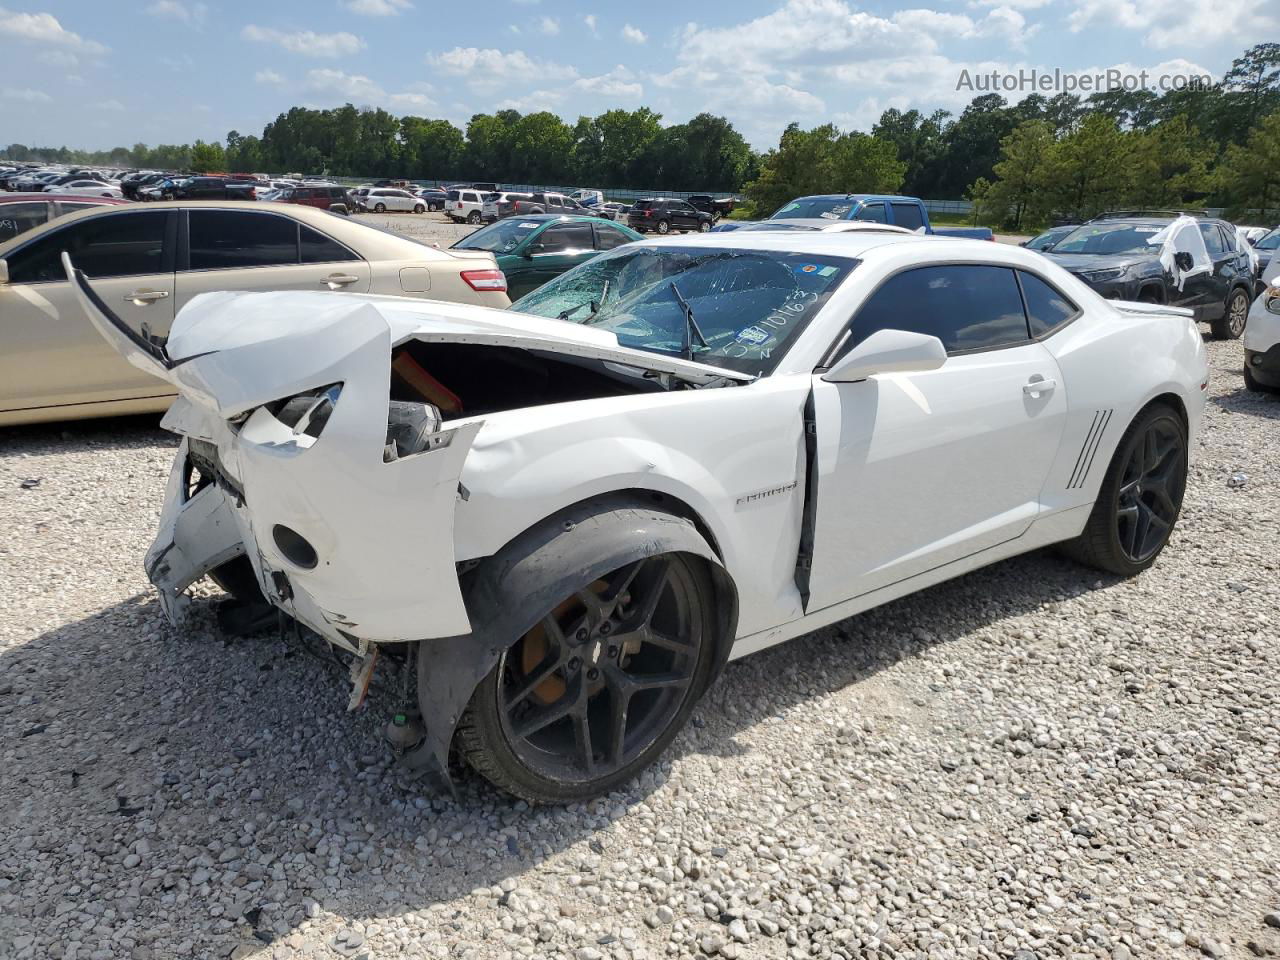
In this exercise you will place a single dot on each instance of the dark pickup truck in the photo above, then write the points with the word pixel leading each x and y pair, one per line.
pixel 200 188
pixel 1113 255
pixel 907 212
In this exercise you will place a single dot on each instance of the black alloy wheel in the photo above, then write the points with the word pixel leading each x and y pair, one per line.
pixel 594 684
pixel 1151 489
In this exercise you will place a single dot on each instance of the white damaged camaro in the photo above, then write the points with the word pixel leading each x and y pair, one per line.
pixel 570 515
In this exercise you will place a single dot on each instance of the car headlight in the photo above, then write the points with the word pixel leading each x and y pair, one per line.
pixel 412 428
pixel 1098 276
pixel 307 412
pixel 1271 298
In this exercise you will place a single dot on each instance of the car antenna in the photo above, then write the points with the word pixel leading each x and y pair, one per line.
pixel 690 325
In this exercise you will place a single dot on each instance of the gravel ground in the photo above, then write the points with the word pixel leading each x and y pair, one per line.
pixel 1026 762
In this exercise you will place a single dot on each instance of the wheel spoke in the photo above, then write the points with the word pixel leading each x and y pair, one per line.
pixel 619 703
pixel 665 641
pixel 1127 518
pixel 537 720
pixel 582 739
pixel 657 681
pixel 1141 528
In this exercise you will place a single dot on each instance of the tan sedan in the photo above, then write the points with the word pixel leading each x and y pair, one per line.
pixel 148 261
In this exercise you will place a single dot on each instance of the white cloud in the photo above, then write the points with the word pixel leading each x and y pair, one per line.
pixel 305 42
pixel 1204 24
pixel 620 83
pixel 377 8
pixel 534 102
pixel 352 86
pixel 357 88
pixel 549 26
pixel 1019 4
pixel 633 34
pixel 268 78
pixel 114 106
pixel 59 58
pixel 489 69
pixel 45 28
pixel 25 95
pixel 590 21
pixel 192 13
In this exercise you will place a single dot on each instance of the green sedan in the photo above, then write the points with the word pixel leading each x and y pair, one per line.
pixel 532 250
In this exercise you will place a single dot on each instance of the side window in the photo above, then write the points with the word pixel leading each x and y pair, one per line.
pixel 1047 309
pixel 565 236
pixel 226 240
pixel 1231 241
pixel 907 215
pixel 873 212
pixel 317 248
pixel 967 307
pixel 1212 239
pixel 16 218
pixel 123 245
pixel 609 237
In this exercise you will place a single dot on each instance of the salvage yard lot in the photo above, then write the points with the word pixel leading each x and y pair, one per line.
pixel 1028 758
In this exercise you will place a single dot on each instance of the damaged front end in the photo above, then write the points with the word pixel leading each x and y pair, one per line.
pixel 321 455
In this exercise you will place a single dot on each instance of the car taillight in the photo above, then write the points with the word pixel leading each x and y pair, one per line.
pixel 486 280
pixel 515 206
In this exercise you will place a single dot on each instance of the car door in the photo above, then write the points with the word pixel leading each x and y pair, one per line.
pixel 873 212
pixel 906 215
pixel 52 355
pixel 551 252
pixel 918 470
pixel 259 250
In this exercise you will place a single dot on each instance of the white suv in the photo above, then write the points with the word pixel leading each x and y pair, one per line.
pixel 382 199
pixel 465 205
pixel 1262 335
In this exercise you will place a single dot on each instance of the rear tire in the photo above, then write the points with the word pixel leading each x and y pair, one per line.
pixel 473 217
pixel 1254 385
pixel 1231 324
pixel 664 226
pixel 379 208
pixel 1140 498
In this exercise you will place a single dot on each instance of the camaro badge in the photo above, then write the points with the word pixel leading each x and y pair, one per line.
pixel 749 498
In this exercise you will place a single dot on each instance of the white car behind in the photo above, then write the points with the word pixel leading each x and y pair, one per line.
pixel 389 199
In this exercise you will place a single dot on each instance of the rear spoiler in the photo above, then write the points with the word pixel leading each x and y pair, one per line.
pixel 1133 306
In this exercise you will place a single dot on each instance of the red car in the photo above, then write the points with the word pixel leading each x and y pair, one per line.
pixel 19 212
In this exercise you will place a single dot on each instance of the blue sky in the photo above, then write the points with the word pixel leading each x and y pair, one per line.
pixel 97 75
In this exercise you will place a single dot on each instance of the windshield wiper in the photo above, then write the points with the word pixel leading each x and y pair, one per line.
pixel 691 328
pixel 566 313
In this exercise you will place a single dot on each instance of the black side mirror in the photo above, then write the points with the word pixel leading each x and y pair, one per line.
pixel 1182 260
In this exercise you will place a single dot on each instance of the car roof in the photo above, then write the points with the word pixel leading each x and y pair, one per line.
pixel 373 243
pixel 855 196
pixel 853 244
pixel 562 217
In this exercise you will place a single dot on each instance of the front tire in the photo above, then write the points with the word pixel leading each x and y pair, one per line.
pixel 1140 498
pixel 419 209
pixel 1231 324
pixel 595 691
pixel 704 226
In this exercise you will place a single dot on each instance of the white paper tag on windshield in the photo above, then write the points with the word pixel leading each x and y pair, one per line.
pixel 527 226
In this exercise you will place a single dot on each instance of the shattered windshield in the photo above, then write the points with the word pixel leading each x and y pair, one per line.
pixel 732 308
pixel 503 236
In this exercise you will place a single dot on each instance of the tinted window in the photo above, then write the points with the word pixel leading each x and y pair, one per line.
pixel 122 245
pixel 609 237
pixel 452 194
pixel 71 206
pixel 1212 239
pixel 16 218
pixel 223 240
pixel 642 205
pixel 317 248
pixel 966 307
pixel 564 236
pixel 829 208
pixel 873 212
pixel 907 215
pixel 1047 309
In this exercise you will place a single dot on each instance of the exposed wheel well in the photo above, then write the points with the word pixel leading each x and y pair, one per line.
pixel 1151 293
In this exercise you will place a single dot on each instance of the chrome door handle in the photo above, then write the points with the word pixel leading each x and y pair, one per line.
pixel 143 297
pixel 335 280
pixel 1038 385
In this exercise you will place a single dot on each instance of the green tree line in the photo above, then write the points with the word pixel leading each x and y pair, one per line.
pixel 1022 163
